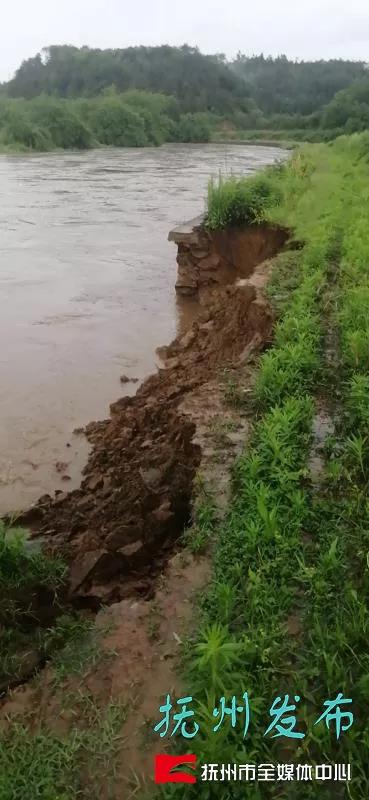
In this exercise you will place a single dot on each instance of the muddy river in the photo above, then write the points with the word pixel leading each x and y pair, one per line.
pixel 87 292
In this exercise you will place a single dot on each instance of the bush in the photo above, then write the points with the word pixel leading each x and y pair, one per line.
pixel 18 129
pixel 193 128
pixel 239 201
pixel 349 108
pixel 59 122
pixel 156 130
pixel 158 111
pixel 116 124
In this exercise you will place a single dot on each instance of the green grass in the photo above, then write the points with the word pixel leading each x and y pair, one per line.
pixel 284 279
pixel 74 646
pixel 42 765
pixel 238 201
pixel 36 624
pixel 32 586
pixel 282 137
pixel 198 536
pixel 20 565
pixel 289 549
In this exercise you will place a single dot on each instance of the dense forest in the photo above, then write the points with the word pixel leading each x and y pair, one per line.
pixel 280 86
pixel 81 97
pixel 199 82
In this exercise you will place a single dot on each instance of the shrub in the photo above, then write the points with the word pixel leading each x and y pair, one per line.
pixel 59 122
pixel 193 128
pixel 20 130
pixel 239 201
pixel 116 124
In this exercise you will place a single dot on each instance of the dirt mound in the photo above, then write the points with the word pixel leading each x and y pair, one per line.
pixel 118 529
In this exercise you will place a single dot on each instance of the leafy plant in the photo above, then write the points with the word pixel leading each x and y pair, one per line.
pixel 239 201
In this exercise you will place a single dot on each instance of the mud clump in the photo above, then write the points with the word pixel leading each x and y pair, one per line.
pixel 133 503
pixel 119 528
pixel 127 379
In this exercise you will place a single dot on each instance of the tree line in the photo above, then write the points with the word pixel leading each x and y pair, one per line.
pixel 67 96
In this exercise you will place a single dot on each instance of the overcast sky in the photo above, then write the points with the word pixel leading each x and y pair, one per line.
pixel 299 28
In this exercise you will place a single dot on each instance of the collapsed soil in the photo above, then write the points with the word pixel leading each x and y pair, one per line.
pixel 119 528
pixel 118 531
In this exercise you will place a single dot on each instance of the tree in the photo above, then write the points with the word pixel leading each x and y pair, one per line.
pixel 199 82
pixel 280 86
pixel 349 109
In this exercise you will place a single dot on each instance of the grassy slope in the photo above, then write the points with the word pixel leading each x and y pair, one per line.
pixel 286 611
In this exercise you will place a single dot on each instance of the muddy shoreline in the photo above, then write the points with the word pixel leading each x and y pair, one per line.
pixel 87 292
pixel 121 532
pixel 120 527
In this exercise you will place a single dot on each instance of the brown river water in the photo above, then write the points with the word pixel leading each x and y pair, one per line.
pixel 87 292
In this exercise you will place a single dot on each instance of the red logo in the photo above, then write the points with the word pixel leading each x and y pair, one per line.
pixel 166 769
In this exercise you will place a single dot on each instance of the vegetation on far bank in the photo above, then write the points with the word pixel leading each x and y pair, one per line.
pixel 133 119
pixel 69 97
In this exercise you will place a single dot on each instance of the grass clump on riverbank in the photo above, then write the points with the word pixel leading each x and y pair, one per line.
pixel 286 612
pixel 36 622
pixel 237 201
pixel 251 200
pixel 31 589
pixel 40 756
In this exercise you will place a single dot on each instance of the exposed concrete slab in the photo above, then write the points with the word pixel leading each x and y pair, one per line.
pixel 184 231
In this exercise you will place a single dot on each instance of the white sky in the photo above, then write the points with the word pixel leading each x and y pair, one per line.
pixel 307 29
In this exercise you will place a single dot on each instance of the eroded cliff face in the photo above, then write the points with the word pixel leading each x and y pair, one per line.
pixel 215 258
pixel 119 528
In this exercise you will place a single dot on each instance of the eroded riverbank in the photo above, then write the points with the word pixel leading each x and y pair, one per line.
pixel 285 592
pixel 87 292
pixel 117 530
pixel 121 532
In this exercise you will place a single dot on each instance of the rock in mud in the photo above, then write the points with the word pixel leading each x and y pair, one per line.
pixel 127 379
pixel 61 466
pixel 123 534
pixel 96 482
pixel 151 477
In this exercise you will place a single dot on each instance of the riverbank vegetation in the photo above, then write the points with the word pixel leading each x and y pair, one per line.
pixel 37 623
pixel 39 627
pixel 134 119
pixel 69 97
pixel 286 611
